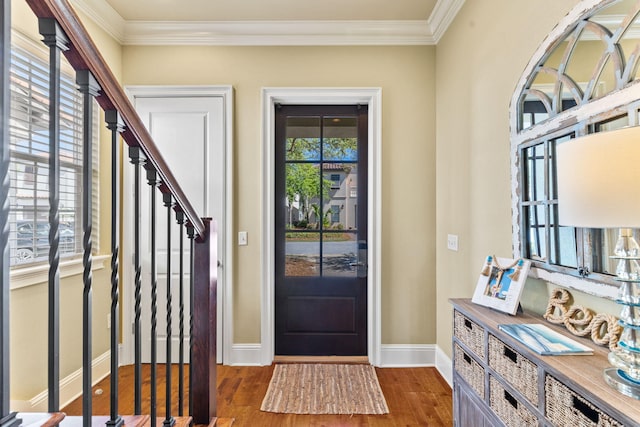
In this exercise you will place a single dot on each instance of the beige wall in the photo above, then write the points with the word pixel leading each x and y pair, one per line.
pixel 29 346
pixel 478 63
pixel 406 76
pixel 29 304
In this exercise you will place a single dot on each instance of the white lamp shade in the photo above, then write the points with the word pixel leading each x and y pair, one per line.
pixel 598 179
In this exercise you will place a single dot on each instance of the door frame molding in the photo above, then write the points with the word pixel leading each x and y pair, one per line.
pixel 225 225
pixel 318 96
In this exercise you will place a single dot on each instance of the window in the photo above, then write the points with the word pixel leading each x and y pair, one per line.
pixel 579 83
pixel 335 181
pixel 335 214
pixel 29 149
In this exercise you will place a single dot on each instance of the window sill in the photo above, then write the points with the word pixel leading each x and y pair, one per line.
pixel 37 274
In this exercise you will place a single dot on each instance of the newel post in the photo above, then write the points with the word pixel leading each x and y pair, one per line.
pixel 203 362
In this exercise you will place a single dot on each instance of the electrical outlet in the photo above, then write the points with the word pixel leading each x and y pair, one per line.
pixel 108 321
pixel 452 242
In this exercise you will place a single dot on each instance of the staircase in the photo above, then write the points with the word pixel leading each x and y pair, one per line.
pixel 64 34
pixel 59 418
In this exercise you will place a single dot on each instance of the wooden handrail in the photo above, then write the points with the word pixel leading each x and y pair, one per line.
pixel 84 55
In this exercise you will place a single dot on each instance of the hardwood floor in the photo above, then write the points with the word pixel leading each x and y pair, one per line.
pixel 415 397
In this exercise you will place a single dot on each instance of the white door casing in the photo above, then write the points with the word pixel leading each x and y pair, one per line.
pixel 317 96
pixel 192 127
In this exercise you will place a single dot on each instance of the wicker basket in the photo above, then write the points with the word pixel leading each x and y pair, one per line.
pixel 563 407
pixel 470 370
pixel 517 370
pixel 469 333
pixel 510 411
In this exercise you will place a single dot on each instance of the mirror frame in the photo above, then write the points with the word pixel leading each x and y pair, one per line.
pixel 577 120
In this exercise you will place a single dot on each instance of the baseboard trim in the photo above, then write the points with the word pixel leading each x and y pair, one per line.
pixel 407 355
pixel 391 356
pixel 245 355
pixel 444 365
pixel 70 387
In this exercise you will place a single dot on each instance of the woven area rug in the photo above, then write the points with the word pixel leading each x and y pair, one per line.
pixel 324 389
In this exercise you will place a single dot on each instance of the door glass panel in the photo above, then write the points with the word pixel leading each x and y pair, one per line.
pixel 302 186
pixel 340 138
pixel 302 254
pixel 303 138
pixel 340 196
pixel 339 254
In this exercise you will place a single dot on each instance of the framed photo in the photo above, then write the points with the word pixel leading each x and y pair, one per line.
pixel 501 282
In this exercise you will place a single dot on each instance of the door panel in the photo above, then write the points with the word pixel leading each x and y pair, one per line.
pixel 321 179
pixel 189 132
pixel 308 314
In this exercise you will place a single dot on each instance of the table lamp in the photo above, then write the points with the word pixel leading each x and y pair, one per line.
pixel 598 178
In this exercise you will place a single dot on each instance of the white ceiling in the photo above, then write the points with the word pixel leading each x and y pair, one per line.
pixel 273 22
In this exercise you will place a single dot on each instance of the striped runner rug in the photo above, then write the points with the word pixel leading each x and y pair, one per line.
pixel 324 389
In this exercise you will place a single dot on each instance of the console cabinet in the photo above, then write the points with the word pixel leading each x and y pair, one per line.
pixel 499 381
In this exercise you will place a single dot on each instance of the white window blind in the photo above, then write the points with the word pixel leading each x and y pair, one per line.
pixel 29 171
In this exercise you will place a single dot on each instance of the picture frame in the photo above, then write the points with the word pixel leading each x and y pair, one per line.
pixel 501 283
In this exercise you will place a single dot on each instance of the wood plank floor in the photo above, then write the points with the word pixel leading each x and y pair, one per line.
pixel 415 396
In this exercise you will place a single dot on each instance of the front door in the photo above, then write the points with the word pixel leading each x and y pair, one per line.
pixel 321 230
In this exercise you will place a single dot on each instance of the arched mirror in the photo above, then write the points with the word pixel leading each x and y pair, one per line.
pixel 584 78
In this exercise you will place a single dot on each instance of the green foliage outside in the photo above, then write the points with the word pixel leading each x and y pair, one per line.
pixel 303 180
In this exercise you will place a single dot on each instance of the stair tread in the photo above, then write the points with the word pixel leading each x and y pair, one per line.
pixel 180 422
pixel 129 421
pixel 44 419
pixel 100 420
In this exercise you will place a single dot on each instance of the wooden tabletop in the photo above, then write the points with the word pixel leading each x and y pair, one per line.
pixel 582 373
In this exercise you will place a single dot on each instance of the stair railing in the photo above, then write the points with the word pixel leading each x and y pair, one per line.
pixel 65 35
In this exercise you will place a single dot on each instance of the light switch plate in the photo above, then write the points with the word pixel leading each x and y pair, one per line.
pixel 452 242
pixel 242 238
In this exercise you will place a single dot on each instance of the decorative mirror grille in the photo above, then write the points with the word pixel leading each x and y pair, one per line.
pixel 599 55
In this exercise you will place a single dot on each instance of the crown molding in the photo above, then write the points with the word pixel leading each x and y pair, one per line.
pixel 442 16
pixel 104 16
pixel 269 33
pixel 272 33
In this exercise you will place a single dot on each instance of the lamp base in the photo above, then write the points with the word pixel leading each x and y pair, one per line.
pixel 617 379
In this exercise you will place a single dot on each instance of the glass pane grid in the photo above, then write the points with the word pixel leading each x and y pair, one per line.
pixel 321 196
